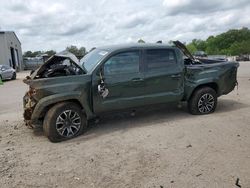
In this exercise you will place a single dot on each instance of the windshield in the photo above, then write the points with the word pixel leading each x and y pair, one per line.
pixel 90 60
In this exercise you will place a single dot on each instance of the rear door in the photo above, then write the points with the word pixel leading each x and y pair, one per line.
pixel 124 80
pixel 163 76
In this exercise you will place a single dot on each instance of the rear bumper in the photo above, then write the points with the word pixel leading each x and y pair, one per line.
pixel 230 81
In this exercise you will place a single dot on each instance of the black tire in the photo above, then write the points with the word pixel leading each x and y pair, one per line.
pixel 52 125
pixel 203 101
pixel 13 76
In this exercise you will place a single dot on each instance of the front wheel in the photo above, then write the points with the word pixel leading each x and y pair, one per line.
pixel 64 121
pixel 203 101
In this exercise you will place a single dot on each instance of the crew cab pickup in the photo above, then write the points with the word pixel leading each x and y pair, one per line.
pixel 65 94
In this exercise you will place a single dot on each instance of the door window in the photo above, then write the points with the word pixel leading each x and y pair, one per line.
pixel 159 59
pixel 122 63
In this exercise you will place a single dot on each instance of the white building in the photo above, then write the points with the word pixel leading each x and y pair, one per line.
pixel 10 50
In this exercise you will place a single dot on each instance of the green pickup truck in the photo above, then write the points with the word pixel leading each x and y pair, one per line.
pixel 64 94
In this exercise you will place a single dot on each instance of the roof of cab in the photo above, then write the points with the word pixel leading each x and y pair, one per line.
pixel 135 46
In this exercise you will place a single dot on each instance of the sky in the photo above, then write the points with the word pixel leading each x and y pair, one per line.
pixel 46 24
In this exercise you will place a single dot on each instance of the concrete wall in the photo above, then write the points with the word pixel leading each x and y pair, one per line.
pixel 3 54
pixel 9 41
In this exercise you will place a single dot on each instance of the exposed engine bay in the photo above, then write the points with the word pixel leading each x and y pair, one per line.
pixel 61 64
pixel 61 68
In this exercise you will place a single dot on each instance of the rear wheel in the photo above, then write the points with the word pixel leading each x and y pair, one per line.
pixel 64 121
pixel 203 101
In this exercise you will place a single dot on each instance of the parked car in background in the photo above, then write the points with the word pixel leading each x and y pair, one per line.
pixel 204 58
pixel 33 63
pixel 200 54
pixel 7 72
pixel 243 58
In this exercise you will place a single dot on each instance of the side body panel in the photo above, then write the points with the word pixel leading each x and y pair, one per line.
pixel 223 75
pixel 165 84
pixel 59 89
pixel 143 88
pixel 125 90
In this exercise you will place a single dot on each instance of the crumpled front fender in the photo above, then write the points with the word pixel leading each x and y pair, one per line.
pixel 48 101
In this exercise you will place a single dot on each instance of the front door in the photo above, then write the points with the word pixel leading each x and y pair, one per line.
pixel 124 81
pixel 164 76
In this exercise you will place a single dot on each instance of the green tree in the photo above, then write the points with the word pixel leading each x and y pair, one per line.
pixel 38 53
pixel 27 54
pixel 232 42
pixel 77 52
pixel 191 47
pixel 141 41
pixel 239 48
pixel 32 54
pixel 50 52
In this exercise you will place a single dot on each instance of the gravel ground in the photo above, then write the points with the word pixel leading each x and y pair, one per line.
pixel 160 147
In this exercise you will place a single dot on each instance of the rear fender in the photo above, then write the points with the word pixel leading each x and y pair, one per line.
pixel 191 87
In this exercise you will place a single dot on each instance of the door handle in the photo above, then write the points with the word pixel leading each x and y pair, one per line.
pixel 137 80
pixel 176 76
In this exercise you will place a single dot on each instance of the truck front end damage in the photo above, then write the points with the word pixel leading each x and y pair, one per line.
pixel 29 104
pixel 61 65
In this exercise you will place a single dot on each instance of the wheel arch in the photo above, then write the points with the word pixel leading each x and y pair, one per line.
pixel 46 103
pixel 212 85
pixel 46 108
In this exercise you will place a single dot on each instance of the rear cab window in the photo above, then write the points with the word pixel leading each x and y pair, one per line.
pixel 159 59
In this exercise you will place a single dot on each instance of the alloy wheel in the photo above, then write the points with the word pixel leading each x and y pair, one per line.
pixel 206 103
pixel 68 123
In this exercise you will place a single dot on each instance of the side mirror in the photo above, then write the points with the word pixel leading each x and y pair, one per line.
pixel 102 90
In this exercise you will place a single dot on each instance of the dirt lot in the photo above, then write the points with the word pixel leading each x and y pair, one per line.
pixel 164 147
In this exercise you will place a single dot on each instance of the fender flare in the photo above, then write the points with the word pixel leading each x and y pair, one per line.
pixel 53 99
pixel 207 82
